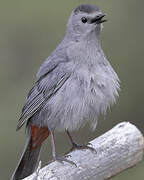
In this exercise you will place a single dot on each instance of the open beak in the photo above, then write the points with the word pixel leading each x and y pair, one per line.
pixel 99 19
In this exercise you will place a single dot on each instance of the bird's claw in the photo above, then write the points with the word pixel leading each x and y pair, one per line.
pixel 63 159
pixel 79 147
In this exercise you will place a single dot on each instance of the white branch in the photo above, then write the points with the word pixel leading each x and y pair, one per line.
pixel 118 149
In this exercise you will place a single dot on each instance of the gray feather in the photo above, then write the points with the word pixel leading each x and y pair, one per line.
pixel 76 83
pixel 28 161
pixel 45 86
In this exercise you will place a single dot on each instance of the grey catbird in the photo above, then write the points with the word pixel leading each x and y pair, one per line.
pixel 74 85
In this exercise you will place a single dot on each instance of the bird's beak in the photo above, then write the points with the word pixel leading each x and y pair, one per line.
pixel 99 19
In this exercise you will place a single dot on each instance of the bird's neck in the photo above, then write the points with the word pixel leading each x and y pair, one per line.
pixel 85 50
pixel 76 37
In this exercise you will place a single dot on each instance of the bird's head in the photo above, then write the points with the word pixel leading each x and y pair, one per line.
pixel 84 20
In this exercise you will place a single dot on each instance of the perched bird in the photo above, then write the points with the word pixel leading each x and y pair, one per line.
pixel 74 85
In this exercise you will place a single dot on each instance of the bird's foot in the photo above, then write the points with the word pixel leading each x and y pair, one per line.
pixel 63 159
pixel 77 146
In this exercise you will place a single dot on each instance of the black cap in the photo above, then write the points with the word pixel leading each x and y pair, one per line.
pixel 86 8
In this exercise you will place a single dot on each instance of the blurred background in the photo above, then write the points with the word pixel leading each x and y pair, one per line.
pixel 29 31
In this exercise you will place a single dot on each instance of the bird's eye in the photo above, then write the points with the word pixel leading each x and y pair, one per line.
pixel 84 20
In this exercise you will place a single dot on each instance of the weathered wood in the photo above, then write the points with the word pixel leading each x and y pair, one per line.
pixel 118 149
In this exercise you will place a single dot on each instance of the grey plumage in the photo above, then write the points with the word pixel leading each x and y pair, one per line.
pixel 78 68
pixel 74 85
pixel 28 161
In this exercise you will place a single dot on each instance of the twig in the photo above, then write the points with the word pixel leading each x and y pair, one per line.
pixel 118 149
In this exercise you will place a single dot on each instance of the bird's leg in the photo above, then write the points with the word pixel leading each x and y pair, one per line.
pixel 56 158
pixel 77 146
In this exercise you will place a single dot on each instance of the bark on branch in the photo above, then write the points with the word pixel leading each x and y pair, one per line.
pixel 118 149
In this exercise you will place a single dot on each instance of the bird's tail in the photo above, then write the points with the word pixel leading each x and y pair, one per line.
pixel 28 161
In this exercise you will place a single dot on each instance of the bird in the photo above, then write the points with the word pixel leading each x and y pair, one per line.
pixel 74 85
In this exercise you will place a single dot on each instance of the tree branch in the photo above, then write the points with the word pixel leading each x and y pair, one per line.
pixel 118 149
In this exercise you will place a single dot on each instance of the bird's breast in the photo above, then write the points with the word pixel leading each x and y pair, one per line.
pixel 97 87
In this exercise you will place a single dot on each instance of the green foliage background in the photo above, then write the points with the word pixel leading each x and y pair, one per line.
pixel 29 31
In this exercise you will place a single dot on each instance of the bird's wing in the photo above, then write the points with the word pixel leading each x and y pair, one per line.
pixel 50 79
